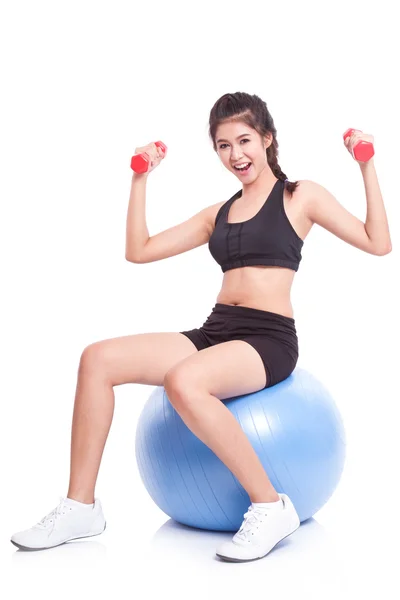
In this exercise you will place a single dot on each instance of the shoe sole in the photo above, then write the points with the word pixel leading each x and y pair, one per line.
pixel 60 544
pixel 228 559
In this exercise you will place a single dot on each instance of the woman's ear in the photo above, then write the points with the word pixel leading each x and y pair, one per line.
pixel 268 139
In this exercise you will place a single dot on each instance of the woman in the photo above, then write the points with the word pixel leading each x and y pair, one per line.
pixel 247 343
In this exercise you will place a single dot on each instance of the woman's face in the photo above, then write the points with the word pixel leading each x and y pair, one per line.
pixel 238 143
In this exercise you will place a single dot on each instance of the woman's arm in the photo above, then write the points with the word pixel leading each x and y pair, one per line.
pixel 137 233
pixel 140 247
pixel 323 208
pixel 376 224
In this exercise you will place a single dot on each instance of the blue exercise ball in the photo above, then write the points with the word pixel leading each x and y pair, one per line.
pixel 294 427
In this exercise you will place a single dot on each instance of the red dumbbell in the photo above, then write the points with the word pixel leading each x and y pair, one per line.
pixel 140 162
pixel 362 151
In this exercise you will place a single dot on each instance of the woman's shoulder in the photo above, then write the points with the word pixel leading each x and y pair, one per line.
pixel 302 190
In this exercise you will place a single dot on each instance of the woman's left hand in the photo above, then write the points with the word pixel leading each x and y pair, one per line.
pixel 356 137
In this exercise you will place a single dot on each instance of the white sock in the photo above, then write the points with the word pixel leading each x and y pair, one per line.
pixel 72 502
pixel 278 505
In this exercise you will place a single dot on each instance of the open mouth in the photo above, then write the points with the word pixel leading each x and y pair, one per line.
pixel 243 169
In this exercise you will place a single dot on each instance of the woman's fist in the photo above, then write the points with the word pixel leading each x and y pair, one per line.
pixel 352 140
pixel 155 153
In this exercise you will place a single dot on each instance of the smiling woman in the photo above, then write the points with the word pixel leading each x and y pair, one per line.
pixel 247 343
pixel 242 166
pixel 241 144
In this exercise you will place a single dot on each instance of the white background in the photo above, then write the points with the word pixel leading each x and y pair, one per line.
pixel 85 83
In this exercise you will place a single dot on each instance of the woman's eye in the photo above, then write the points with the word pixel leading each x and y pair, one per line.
pixel 244 140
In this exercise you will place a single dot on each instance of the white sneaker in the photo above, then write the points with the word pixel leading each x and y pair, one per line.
pixel 261 530
pixel 66 522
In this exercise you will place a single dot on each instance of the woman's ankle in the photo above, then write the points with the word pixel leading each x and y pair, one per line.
pixel 85 498
pixel 271 496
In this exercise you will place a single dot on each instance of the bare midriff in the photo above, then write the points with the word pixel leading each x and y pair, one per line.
pixel 264 287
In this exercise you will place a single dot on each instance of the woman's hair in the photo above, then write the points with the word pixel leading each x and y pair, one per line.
pixel 254 112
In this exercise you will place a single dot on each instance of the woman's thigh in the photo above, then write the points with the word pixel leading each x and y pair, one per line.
pixel 141 358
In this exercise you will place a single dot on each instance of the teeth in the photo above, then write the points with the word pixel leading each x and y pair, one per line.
pixel 242 165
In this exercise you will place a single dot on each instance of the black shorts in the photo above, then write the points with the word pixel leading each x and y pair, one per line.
pixel 273 335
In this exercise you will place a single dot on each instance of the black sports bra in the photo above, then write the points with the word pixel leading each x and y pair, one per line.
pixel 268 238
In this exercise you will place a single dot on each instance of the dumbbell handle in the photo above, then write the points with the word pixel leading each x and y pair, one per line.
pixel 362 151
pixel 140 162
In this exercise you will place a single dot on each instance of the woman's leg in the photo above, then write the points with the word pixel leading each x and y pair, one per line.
pixel 196 387
pixel 142 358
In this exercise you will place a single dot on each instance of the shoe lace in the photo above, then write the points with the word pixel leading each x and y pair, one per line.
pixel 53 516
pixel 252 518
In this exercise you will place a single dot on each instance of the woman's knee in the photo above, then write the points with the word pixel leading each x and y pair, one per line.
pixel 179 384
pixel 97 357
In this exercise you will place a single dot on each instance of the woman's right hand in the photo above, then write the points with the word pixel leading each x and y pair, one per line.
pixel 156 155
